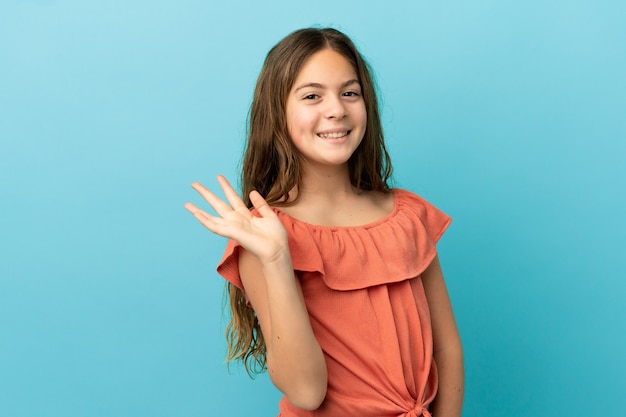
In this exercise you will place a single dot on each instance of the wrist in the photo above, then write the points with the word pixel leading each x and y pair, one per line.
pixel 279 259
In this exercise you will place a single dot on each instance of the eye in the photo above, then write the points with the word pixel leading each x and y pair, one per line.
pixel 311 97
pixel 351 94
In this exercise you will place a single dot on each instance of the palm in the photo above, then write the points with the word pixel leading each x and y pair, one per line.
pixel 264 236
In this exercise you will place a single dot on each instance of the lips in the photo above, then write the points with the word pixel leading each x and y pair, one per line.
pixel 333 135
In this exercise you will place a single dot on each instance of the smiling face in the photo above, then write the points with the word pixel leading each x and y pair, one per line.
pixel 326 115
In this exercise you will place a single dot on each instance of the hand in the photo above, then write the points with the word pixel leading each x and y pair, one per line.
pixel 265 237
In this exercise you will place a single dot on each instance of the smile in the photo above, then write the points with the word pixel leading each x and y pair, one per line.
pixel 333 135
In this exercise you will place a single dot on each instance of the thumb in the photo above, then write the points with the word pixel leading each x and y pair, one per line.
pixel 260 204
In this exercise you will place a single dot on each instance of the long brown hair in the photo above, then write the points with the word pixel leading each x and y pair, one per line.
pixel 271 163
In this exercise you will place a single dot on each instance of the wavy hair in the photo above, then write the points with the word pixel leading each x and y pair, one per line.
pixel 271 163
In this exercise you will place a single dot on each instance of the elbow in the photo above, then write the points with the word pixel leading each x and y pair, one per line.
pixel 450 347
pixel 309 399
pixel 306 393
pixel 303 383
pixel 452 352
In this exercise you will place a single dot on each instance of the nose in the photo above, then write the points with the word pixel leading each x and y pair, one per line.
pixel 336 108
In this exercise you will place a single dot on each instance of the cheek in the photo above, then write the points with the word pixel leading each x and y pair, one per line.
pixel 363 115
pixel 299 122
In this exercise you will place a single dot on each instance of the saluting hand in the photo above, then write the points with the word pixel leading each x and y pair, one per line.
pixel 265 237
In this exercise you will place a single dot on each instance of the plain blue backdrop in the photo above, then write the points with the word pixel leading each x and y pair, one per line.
pixel 509 116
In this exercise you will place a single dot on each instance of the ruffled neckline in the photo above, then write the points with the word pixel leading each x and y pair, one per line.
pixel 394 248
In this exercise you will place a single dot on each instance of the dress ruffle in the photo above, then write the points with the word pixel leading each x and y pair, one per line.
pixel 397 247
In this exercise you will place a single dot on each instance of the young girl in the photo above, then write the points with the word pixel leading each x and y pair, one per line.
pixel 333 277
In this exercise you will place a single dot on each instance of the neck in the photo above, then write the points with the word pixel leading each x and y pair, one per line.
pixel 332 183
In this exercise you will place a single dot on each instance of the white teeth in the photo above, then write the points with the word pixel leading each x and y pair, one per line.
pixel 334 135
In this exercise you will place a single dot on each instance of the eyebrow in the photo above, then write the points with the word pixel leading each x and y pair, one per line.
pixel 318 85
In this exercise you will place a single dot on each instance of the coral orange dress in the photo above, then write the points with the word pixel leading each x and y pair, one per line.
pixel 368 310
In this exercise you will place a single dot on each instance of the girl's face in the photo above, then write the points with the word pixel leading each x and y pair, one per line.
pixel 326 115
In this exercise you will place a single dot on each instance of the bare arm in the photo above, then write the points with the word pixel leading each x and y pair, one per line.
pixel 294 358
pixel 447 348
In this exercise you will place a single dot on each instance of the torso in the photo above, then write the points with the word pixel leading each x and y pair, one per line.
pixel 365 298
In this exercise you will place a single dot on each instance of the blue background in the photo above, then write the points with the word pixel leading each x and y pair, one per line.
pixel 509 116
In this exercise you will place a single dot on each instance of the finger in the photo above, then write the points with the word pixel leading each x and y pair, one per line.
pixel 231 195
pixel 191 208
pixel 261 205
pixel 218 205
pixel 214 224
pixel 199 214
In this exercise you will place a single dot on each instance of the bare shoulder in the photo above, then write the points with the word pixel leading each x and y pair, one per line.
pixel 382 200
pixel 368 207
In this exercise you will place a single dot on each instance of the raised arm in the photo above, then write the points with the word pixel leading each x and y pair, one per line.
pixel 295 360
pixel 447 348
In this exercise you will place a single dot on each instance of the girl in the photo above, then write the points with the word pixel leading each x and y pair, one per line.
pixel 333 277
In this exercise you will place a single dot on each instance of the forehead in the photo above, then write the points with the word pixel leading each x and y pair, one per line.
pixel 328 65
